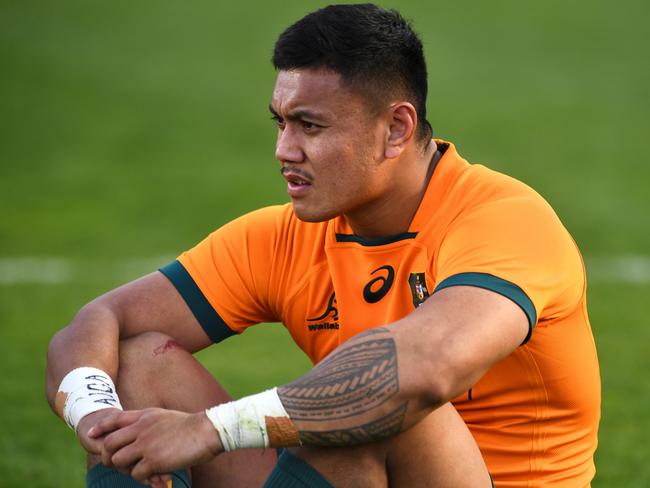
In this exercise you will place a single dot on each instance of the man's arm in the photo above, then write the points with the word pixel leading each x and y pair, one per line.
pixel 372 387
pixel 92 338
pixel 385 380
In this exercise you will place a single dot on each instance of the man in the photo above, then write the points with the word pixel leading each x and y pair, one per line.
pixel 410 277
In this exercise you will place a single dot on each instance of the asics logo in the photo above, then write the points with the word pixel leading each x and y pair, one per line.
pixel 371 292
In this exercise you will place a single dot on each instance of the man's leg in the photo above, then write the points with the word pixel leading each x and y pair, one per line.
pixel 156 372
pixel 438 452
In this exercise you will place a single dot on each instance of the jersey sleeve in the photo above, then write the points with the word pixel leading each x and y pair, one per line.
pixel 516 247
pixel 226 279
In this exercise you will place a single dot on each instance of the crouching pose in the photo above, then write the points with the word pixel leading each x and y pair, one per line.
pixel 410 277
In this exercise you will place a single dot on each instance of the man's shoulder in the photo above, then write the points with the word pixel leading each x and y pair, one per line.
pixel 459 188
pixel 499 197
pixel 484 184
pixel 461 173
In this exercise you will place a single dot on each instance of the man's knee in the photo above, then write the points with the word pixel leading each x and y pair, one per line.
pixel 148 364
pixel 147 350
pixel 438 451
pixel 156 371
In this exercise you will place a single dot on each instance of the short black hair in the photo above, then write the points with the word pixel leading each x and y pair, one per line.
pixel 375 51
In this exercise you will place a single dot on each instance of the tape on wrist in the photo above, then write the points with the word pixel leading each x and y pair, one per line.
pixel 255 421
pixel 84 391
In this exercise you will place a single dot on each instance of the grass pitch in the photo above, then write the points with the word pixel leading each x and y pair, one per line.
pixel 131 130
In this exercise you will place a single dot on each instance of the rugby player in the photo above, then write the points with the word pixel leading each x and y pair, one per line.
pixel 409 276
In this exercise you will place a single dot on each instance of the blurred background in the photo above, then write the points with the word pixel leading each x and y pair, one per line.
pixel 130 130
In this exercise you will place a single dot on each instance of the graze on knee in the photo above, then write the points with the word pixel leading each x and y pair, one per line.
pixel 168 345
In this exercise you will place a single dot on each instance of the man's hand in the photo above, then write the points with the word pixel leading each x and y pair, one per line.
pixel 146 443
pixel 94 444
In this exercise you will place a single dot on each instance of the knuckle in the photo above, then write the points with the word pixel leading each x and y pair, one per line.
pixel 109 444
pixel 150 417
pixel 116 460
pixel 105 422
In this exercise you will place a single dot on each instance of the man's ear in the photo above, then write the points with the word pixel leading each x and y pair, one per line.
pixel 402 123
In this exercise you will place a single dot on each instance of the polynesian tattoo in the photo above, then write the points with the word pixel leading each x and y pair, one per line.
pixel 382 428
pixel 359 377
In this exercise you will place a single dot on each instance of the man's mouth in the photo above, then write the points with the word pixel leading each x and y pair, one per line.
pixel 297 176
pixel 298 182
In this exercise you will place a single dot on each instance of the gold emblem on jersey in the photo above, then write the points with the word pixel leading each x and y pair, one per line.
pixel 419 291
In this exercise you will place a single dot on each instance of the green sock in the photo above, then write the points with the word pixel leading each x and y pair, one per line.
pixel 102 477
pixel 293 472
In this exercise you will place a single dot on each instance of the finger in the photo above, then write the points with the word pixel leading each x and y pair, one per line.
pixel 106 458
pixel 160 480
pixel 161 477
pixel 141 471
pixel 93 446
pixel 113 422
pixel 88 421
pixel 128 457
pixel 115 441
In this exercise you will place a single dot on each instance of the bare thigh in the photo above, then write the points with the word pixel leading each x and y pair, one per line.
pixel 438 452
pixel 156 372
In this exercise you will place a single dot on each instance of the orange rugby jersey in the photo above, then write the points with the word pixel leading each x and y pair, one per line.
pixel 535 414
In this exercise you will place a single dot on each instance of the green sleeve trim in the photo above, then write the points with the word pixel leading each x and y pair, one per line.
pixel 212 323
pixel 497 285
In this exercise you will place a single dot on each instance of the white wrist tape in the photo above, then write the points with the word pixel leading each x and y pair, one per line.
pixel 84 391
pixel 254 421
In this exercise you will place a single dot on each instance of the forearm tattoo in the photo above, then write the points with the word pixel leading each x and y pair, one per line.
pixel 358 378
pixel 381 428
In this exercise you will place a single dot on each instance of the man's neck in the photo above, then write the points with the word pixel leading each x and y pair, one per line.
pixel 392 214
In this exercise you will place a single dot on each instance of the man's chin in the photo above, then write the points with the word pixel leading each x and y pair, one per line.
pixel 311 215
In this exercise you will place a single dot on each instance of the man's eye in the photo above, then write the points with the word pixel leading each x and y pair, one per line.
pixel 278 121
pixel 309 125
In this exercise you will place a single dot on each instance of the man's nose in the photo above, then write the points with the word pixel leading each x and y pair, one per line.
pixel 287 147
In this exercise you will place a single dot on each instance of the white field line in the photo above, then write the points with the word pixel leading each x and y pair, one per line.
pixel 629 269
pixel 62 270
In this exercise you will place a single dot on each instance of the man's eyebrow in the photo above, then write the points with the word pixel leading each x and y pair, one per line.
pixel 297 114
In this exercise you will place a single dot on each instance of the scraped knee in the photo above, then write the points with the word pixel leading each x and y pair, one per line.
pixel 146 347
pixel 147 363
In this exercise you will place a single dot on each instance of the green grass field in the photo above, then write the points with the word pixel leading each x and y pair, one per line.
pixel 129 130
